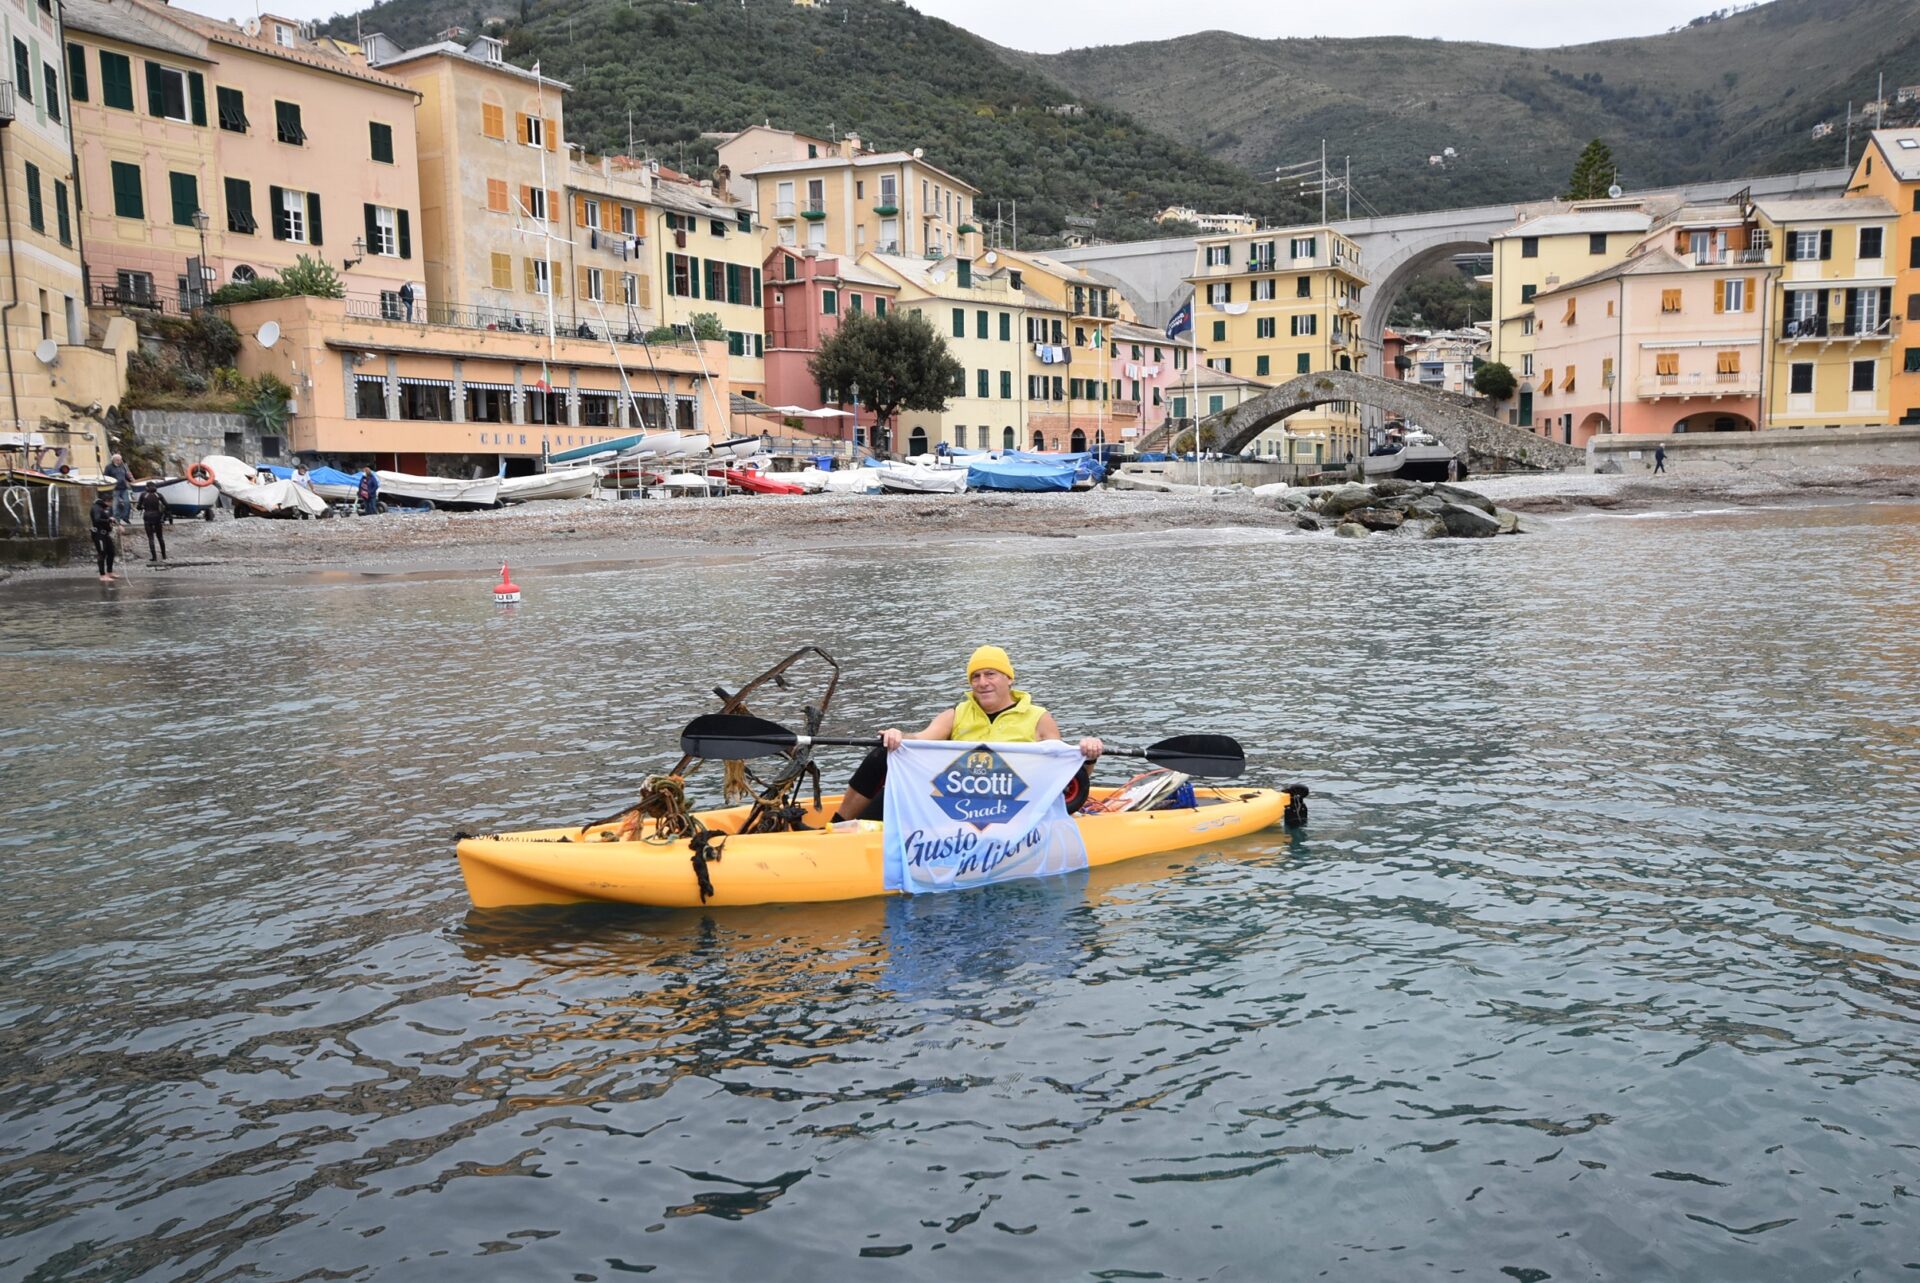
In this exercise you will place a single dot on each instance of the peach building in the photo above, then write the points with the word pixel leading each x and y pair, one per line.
pixel 806 296
pixel 1672 339
pixel 1889 168
pixel 254 145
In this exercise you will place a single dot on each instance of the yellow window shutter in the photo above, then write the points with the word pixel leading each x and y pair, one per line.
pixel 643 295
pixel 1719 296
pixel 1606 371
pixel 1669 300
pixel 1546 380
pixel 579 210
pixel 493 121
pixel 1667 363
pixel 520 131
pixel 1753 289
pixel 497 195
pixel 1568 318
pixel 533 282
pixel 553 205
pixel 559 280
pixel 551 128
pixel 583 281
pixel 1568 385
pixel 526 199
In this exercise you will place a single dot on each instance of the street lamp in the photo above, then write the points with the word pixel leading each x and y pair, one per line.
pixel 853 391
pixel 197 295
pixel 359 252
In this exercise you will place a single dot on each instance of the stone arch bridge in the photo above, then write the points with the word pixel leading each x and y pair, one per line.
pixel 1455 419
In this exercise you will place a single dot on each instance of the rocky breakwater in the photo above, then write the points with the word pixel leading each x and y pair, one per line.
pixel 1394 507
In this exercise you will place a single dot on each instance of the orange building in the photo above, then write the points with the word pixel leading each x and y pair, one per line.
pixel 1890 169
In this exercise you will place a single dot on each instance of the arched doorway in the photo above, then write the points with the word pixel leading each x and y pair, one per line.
pixel 1039 440
pixel 1006 439
pixel 917 441
pixel 1715 421
pixel 1077 442
pixel 1591 426
pixel 1346 363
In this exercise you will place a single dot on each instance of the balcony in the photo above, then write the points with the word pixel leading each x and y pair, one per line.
pixel 1660 386
pixel 613 326
pixel 784 209
pixel 886 206
pixel 814 210
pixel 1800 329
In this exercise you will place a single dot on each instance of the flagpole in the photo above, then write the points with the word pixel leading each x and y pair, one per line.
pixel 1193 368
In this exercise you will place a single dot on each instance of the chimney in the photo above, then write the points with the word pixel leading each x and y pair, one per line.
pixel 851 147
pixel 721 177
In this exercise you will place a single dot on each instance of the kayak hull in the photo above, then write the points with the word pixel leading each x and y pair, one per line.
pixel 567 866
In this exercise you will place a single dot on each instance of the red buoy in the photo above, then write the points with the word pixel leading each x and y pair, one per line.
pixel 506 592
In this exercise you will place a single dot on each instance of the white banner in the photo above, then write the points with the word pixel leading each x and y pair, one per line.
pixel 962 815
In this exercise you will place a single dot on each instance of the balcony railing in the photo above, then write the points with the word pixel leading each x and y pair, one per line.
pixel 502 320
pixel 784 209
pixel 814 210
pixel 1853 327
pixel 135 299
pixel 1656 386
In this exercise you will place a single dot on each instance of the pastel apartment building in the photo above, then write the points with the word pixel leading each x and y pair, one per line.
pixel 1832 310
pixel 1889 170
pixel 1073 396
pixel 806 298
pixel 1281 302
pixel 844 199
pixel 252 144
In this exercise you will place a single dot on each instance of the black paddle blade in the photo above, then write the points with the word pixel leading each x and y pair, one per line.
pixel 735 737
pixel 1216 757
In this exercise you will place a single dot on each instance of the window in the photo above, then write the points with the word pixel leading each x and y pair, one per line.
pixel 1260 366
pixel 630 289
pixel 1303 363
pixel 65 223
pixel 533 131
pixel 1304 326
pixel 1730 295
pixel 1597 243
pixel 980 383
pixel 22 71
pixel 185 190
pixel 1669 300
pixel 240 207
pixel 980 324
pixel 296 215
pixel 497 196
pixel 1527 292
pixel 51 79
pixel 1727 363
pixel 539 270
pixel 1220 292
pixel 536 203
pixel 1219 255
pixel 383 231
pixel 116 80
pixel 593 286
pixel 1006 385
pixel 879 306
pixel 1006 327
pixel 959 322
pixel 1302 246
pixel 493 121
pixel 36 211
pixel 128 201
pixel 1263 290
pixel 1800 378
pixel 1526 326
pixel 1529 247
pixel 1808 247
pixel 1266 327
pixel 1913 361
pixel 502 271
pixel 286 119
pixel 1219 331
pixel 283 35
pixel 1216 403
pixel 829 302
pixel 380 141
pixel 1863 375
pixel 76 72
pixel 1871 242
pixel 231 107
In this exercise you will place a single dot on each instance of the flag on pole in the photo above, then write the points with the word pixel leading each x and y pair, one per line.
pixel 1182 320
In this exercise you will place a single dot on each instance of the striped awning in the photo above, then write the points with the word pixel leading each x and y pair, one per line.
pixel 472 385
pixel 409 381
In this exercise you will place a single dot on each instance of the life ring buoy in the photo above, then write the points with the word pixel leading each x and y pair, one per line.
pixel 200 474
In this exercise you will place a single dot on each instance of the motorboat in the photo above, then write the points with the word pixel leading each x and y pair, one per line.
pixel 638 442
pixel 757 482
pixel 1020 474
pixel 853 481
pixel 183 496
pixel 335 486
pixel 683 485
pixel 919 478
pixel 1415 456
pixel 439 492
pixel 737 448
pixel 256 493
pixel 811 480
pixel 563 483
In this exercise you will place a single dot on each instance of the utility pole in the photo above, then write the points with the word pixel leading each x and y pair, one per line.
pixel 1323 181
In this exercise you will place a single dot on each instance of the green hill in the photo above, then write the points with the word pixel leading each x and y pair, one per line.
pixel 1731 96
pixel 674 72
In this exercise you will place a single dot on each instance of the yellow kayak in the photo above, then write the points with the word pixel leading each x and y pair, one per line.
pixel 572 866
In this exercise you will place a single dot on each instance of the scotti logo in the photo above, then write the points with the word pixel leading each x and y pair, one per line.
pixel 979 788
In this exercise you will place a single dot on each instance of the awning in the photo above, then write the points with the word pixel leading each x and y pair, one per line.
pixel 472 385
pixel 409 381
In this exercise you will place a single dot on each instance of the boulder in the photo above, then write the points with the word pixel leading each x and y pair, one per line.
pixel 1463 522
pixel 1454 494
pixel 1509 521
pixel 1376 518
pixel 1426 506
pixel 1343 499
pixel 1351 530
pixel 1307 521
pixel 1396 486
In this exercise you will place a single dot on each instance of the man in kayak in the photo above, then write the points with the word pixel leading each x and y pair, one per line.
pixel 992 712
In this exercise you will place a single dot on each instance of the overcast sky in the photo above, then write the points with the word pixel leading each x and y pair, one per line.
pixel 1048 26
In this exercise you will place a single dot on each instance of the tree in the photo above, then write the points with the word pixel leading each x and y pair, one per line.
pixel 1494 380
pixel 707 327
pixel 896 360
pixel 1593 173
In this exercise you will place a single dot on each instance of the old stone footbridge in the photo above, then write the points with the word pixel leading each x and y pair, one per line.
pixel 1455 419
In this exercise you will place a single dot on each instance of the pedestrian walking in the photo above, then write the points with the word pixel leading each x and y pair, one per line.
pixel 154 516
pixel 101 517
pixel 406 298
pixel 369 491
pixel 1659 458
pixel 122 490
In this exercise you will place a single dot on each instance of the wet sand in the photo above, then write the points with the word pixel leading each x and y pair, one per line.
pixel 588 531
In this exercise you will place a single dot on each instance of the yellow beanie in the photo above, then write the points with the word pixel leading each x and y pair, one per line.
pixel 990 657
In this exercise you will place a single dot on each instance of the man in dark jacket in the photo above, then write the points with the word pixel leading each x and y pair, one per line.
pixel 369 491
pixel 122 490
pixel 101 516
pixel 153 514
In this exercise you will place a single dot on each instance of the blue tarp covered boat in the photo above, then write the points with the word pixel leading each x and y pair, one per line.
pixel 1019 474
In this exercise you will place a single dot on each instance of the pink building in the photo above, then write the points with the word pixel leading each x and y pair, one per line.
pixel 1670 340
pixel 1147 368
pixel 805 295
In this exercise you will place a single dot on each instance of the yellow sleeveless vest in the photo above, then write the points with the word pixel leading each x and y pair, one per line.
pixel 1019 723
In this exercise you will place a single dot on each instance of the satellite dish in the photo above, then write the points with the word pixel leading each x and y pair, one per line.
pixel 1613 192
pixel 46 351
pixel 992 258
pixel 269 334
pixel 919 153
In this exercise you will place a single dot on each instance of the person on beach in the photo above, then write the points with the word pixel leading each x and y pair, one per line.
pixel 1659 458
pixel 369 491
pixel 301 477
pixel 101 516
pixel 153 515
pixel 992 712
pixel 122 490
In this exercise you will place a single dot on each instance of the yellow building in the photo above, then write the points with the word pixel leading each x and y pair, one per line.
pixel 1889 170
pixel 841 198
pixel 1277 303
pixel 1553 244
pixel 981 316
pixel 57 385
pixel 1831 310
pixel 1070 359
pixel 491 176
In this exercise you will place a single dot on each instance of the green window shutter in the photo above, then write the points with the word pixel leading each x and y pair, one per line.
pixel 959 322
pixel 1219 331
pixel 240 206
pixel 980 384
pixel 372 228
pixel 756 287
pixel 36 210
pixel 733 285
pixel 1303 364
pixel 693 277
pixel 231 106
pixel 127 199
pixel 116 80
pixel 313 218
pixel 980 325
pixel 1006 327
pixel 156 100
pixel 197 97
pixel 76 72
pixel 829 303
pixel 60 209
pixel 381 139
pixel 185 189
pixel 22 71
pixel 286 120
pixel 759 345
pixel 745 219
pixel 879 306
pixel 406 234
pixel 1260 366
pixel 277 211
pixel 1006 385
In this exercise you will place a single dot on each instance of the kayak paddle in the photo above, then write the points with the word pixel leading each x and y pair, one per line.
pixel 734 737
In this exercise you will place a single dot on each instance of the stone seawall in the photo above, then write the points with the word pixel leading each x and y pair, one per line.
pixel 1860 447
pixel 188 436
